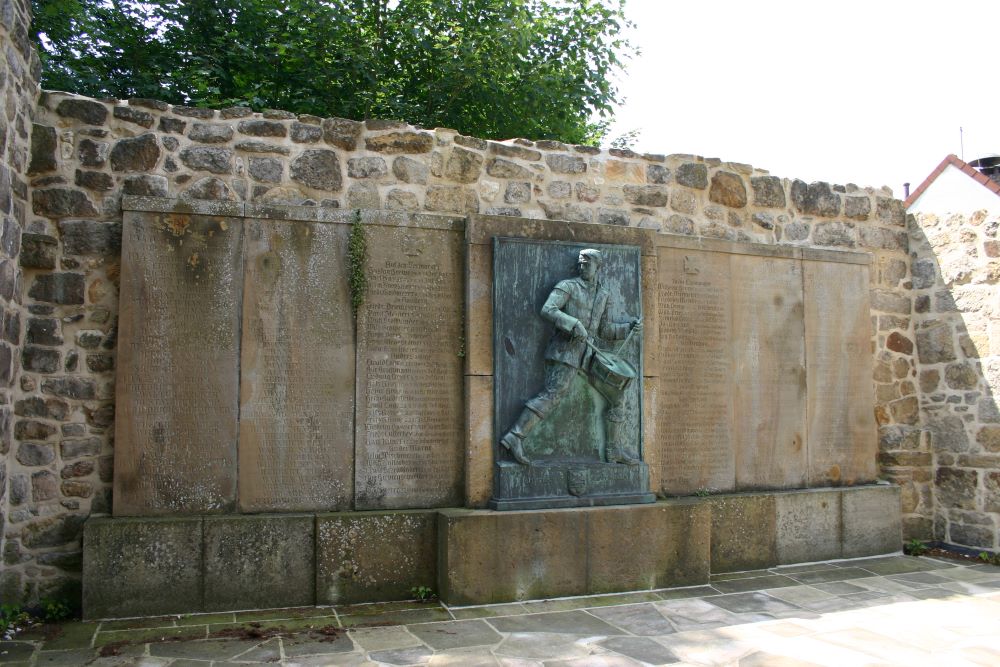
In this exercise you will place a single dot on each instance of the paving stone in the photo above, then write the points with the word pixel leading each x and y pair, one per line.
pixel 923 578
pixel 799 595
pixel 640 648
pixel 397 617
pixel 823 576
pixel 269 651
pixel 639 619
pixel 488 611
pixel 840 588
pixel 895 565
pixel 313 645
pixel 740 603
pixel 71 658
pixel 402 656
pixel 566 622
pixel 378 639
pixel 541 646
pixel 695 614
pixel 753 583
pixel 456 634
pixel 209 649
pixel 15 651
pixel 72 636
pixel 684 593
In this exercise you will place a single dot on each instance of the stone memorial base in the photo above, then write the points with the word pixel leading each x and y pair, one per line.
pixel 554 485
pixel 175 565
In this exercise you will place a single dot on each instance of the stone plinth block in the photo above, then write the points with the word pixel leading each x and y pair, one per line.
pixel 807 526
pixel 488 556
pixel 142 567
pixel 366 556
pixel 743 532
pixel 872 523
pixel 259 561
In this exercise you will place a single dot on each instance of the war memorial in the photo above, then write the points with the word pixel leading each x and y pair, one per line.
pixel 264 359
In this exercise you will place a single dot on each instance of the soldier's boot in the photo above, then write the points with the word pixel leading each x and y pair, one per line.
pixel 617 452
pixel 513 440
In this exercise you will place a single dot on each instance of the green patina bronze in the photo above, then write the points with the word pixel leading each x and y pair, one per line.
pixel 567 342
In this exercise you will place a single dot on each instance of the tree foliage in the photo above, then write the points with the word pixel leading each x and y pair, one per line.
pixel 493 68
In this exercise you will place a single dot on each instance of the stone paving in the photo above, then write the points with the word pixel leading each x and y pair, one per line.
pixel 894 610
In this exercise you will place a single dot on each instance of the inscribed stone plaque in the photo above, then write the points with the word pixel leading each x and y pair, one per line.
pixel 297 369
pixel 695 410
pixel 410 417
pixel 178 364
pixel 842 431
pixel 769 411
pixel 577 431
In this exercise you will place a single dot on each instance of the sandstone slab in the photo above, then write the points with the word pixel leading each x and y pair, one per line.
pixel 296 448
pixel 178 364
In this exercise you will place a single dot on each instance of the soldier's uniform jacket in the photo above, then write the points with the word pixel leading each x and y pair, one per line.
pixel 574 300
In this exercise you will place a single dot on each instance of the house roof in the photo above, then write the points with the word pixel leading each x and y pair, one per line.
pixel 962 166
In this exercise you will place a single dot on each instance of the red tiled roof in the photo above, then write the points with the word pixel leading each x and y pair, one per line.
pixel 964 167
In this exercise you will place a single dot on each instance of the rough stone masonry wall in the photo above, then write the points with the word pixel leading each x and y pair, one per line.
pixel 88 153
pixel 956 269
pixel 19 72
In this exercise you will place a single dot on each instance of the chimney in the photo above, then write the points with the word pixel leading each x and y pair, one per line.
pixel 906 190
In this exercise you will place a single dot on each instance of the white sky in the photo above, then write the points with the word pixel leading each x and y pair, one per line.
pixel 871 93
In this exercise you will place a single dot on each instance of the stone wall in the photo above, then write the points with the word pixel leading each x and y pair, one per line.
pixel 955 274
pixel 88 153
pixel 19 72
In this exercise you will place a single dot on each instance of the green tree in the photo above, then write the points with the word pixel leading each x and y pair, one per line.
pixel 493 68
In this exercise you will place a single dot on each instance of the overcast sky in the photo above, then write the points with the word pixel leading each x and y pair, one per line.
pixel 871 93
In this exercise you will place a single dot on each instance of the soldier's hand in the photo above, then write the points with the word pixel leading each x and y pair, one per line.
pixel 637 325
pixel 579 331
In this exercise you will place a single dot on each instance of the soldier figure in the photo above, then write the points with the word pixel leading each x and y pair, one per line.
pixel 578 307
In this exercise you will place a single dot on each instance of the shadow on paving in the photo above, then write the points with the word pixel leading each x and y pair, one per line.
pixel 894 609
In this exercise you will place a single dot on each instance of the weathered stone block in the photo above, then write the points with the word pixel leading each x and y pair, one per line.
pixel 463 166
pixel 88 111
pixel 653 546
pixel 317 168
pixel 693 175
pixel 808 526
pixel 39 359
pixel 94 180
pixel 728 189
pixel 305 133
pixel 341 133
pixel 645 195
pixel 43 149
pixel 744 532
pixel 835 233
pixel 956 488
pixel 871 521
pixel 142 567
pixel 365 556
pixel 89 237
pixel 136 116
pixel 61 202
pixel 255 561
pixel 208 133
pixel 208 158
pixel 566 164
pixel 135 154
pixel 38 251
pixel 367 167
pixel 401 142
pixel 262 128
pixel 815 199
pixel 409 170
pixel 145 185
pixel 61 288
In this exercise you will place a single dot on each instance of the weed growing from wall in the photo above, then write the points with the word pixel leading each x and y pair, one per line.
pixel 357 260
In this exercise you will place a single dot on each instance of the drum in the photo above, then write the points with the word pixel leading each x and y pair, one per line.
pixel 611 369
